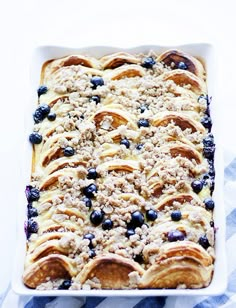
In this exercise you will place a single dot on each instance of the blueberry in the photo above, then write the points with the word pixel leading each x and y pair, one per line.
pixel 137 219
pixel 209 203
pixel 211 168
pixel 206 122
pixel 176 215
pixel 35 138
pixel 26 229
pixel 90 237
pixel 212 186
pixel 32 226
pixel 92 174
pixel 42 90
pixel 38 115
pixel 52 116
pixel 96 217
pixel 107 224
pixel 27 192
pixel 151 215
pixel 69 151
pixel 90 190
pixel 32 212
pixel 88 202
pixel 138 258
pixel 92 253
pixel 65 285
pixel 208 141
pixel 143 108
pixel 206 98
pixel 96 81
pixel 205 178
pixel 139 146
pixel 203 241
pixel 95 98
pixel 45 109
pixel 129 232
pixel 143 123
pixel 212 224
pixel 125 142
pixel 208 152
pixel 32 193
pixel 197 186
pixel 148 62
pixel 200 97
pixel 182 65
pixel 208 180
pixel 175 235
pixel 207 111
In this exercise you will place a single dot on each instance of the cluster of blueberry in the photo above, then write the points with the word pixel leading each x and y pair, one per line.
pixel 208 144
pixel 208 153
pixel 31 226
pixel 206 120
pixel 126 143
pixel 177 235
pixel 137 220
pixel 96 216
pixel 41 112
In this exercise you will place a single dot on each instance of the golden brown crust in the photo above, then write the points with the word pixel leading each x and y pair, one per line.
pixel 185 78
pixel 117 59
pixel 128 71
pixel 183 150
pixel 118 117
pixel 111 270
pixel 52 66
pixel 184 249
pixel 54 177
pixel 180 198
pixel 182 120
pixel 52 266
pixel 177 272
pixel 173 57
pixel 120 165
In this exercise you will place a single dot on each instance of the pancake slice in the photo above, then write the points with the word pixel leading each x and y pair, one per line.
pixel 118 117
pixel 177 272
pixel 52 267
pixel 183 150
pixel 120 165
pixel 125 71
pixel 184 79
pixel 175 58
pixel 111 270
pixel 180 119
pixel 118 59
pixel 180 198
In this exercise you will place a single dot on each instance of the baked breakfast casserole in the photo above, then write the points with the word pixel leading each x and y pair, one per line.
pixel 120 195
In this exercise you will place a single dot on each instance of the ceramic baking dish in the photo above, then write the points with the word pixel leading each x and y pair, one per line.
pixel 41 54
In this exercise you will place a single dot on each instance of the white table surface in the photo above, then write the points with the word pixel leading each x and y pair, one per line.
pixel 26 24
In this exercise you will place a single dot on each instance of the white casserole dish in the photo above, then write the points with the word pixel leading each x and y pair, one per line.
pixel 203 51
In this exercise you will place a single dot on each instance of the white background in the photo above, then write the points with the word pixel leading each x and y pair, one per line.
pixel 26 24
